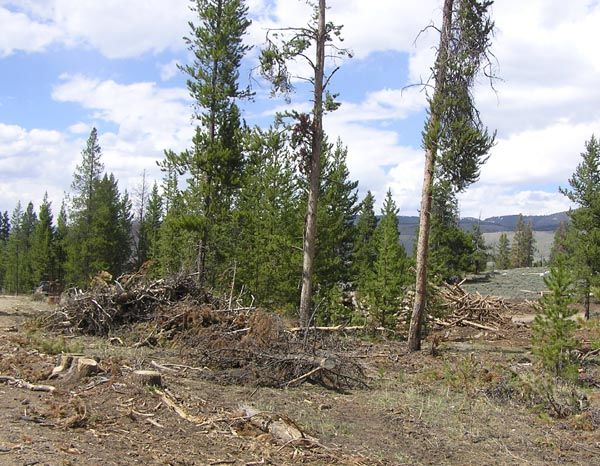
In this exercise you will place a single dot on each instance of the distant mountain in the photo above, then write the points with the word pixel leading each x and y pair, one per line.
pixel 409 224
pixel 543 227
pixel 539 222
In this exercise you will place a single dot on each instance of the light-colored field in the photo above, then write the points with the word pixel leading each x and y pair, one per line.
pixel 543 242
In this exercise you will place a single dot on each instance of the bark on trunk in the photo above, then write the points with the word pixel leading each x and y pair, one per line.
pixel 310 230
pixel 418 315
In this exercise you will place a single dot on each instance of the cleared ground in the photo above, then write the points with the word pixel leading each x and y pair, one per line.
pixel 459 407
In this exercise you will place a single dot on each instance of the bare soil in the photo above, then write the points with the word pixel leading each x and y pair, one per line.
pixel 454 408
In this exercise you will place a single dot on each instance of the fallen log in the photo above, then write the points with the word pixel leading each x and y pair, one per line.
pixel 480 326
pixel 19 383
pixel 340 328
pixel 283 431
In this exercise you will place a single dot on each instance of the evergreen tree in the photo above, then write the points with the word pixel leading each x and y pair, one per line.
pixel 456 143
pixel 480 250
pixel 80 245
pixel 584 191
pixel 111 228
pixel 214 165
pixel 365 253
pixel 503 253
pixel 451 248
pixel 150 227
pixel 19 271
pixel 553 328
pixel 386 290
pixel 561 244
pixel 336 216
pixel 14 252
pixel 523 245
pixel 175 248
pixel 4 235
pixel 60 244
pixel 4 227
pixel 270 223
pixel 42 245
pixel 307 133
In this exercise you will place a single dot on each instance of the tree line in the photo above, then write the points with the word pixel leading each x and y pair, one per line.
pixel 272 213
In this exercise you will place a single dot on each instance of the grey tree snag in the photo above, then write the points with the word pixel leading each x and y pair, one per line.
pixel 416 321
pixel 310 230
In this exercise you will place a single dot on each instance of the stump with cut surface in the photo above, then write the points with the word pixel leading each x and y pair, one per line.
pixel 150 378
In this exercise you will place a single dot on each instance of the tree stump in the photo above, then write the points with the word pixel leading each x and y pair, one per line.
pixel 151 378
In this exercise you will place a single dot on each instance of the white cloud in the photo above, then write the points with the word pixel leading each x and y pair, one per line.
pixel 32 162
pixel 148 120
pixel 510 200
pixel 169 70
pixel 19 32
pixel 116 28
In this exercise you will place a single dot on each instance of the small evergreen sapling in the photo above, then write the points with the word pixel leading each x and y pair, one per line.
pixel 553 328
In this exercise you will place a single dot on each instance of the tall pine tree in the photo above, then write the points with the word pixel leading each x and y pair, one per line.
pixel 386 289
pixel 214 164
pixel 80 245
pixel 42 245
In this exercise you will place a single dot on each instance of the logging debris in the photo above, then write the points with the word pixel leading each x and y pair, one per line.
pixel 237 344
pixel 472 309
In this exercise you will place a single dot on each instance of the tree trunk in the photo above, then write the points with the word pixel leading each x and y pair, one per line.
pixel 418 315
pixel 310 230
pixel 586 301
pixel 416 321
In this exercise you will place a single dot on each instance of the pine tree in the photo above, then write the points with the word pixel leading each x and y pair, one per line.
pixel 60 244
pixel 214 165
pixel 42 245
pixel 386 290
pixel 14 252
pixel 365 253
pixel 150 227
pixel 80 242
pixel 523 245
pixel 455 141
pixel 480 250
pixel 451 248
pixel 553 328
pixel 19 272
pixel 561 244
pixel 270 223
pixel 4 235
pixel 584 191
pixel 307 133
pixel 503 253
pixel 111 228
pixel 336 216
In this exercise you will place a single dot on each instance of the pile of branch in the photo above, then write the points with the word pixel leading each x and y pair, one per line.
pixel 130 298
pixel 472 309
pixel 239 345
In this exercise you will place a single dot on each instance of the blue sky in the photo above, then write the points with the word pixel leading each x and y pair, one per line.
pixel 69 65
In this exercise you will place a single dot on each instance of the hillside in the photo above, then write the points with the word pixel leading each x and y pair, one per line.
pixel 544 227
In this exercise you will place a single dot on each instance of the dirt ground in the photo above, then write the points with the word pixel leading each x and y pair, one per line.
pixel 453 408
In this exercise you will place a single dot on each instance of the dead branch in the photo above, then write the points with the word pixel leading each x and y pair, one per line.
pixel 19 383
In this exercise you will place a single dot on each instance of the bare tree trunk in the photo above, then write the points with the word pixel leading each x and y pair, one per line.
pixel 418 315
pixel 416 321
pixel 586 301
pixel 310 230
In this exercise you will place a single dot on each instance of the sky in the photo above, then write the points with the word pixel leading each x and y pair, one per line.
pixel 69 65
